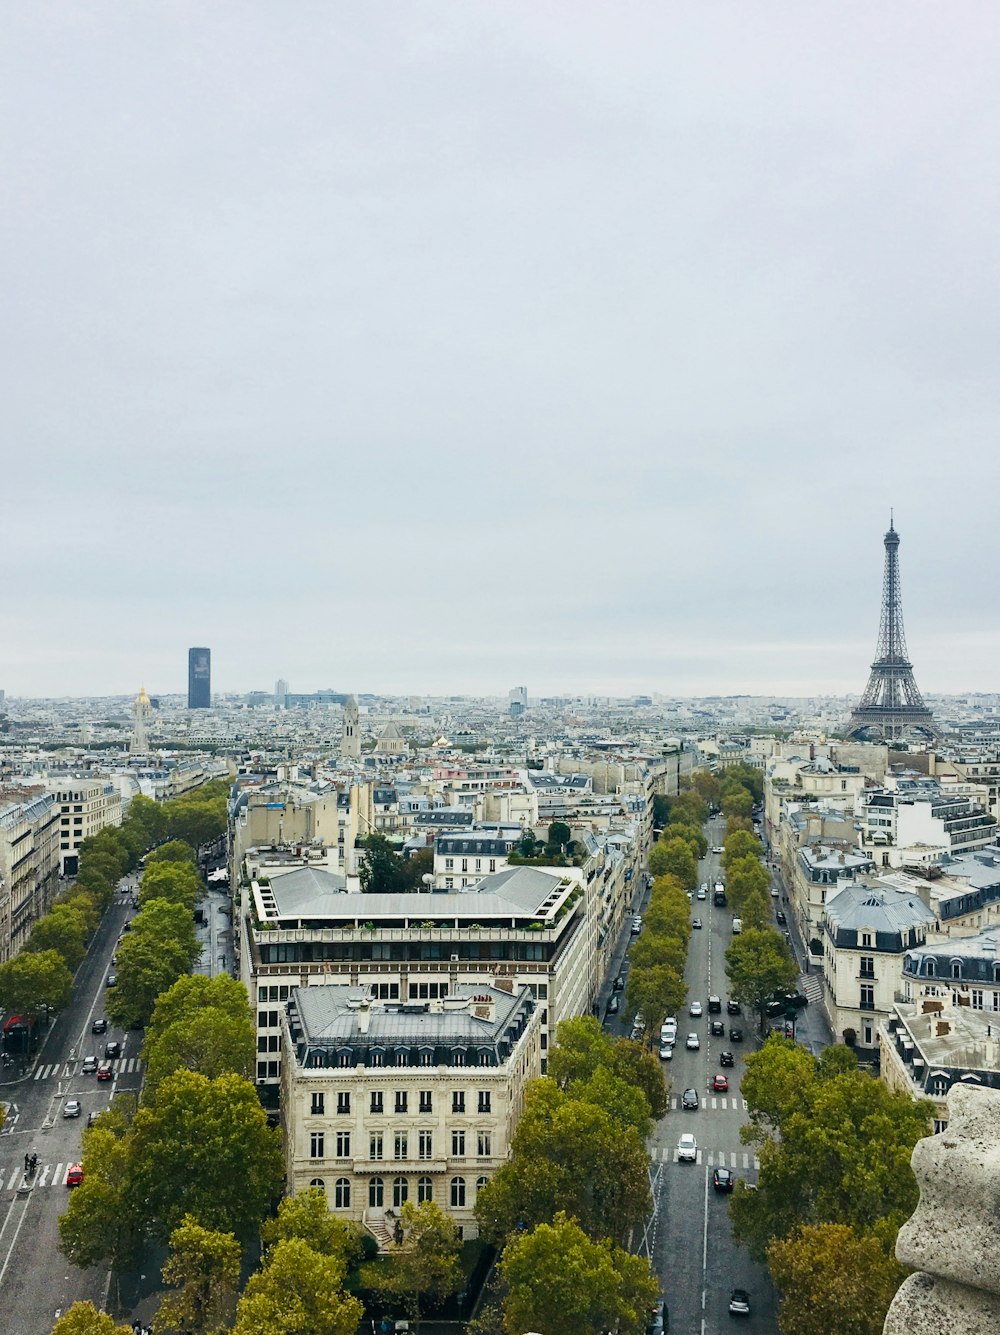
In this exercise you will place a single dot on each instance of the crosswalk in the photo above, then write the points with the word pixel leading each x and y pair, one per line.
pixel 712 1158
pixel 47 1175
pixel 122 1066
pixel 720 1102
pixel 811 986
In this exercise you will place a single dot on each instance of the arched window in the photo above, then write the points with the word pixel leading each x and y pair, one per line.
pixel 457 1193
pixel 342 1193
pixel 956 968
pixel 400 1191
pixel 376 1193
pixel 929 968
pixel 318 1182
pixel 425 1190
pixel 480 1183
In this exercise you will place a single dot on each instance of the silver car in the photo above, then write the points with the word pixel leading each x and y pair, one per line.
pixel 89 1065
pixel 72 1108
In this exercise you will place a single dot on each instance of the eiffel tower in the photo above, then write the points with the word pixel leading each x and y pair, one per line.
pixel 891 705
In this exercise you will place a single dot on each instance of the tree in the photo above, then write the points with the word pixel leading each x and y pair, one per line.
pixel 204 1148
pixel 204 1268
pixel 833 1279
pixel 174 850
pixel 196 820
pixel 82 902
pixel 64 930
pixel 32 982
pixel 194 992
pixel 379 868
pixel 737 802
pixel 744 878
pixel 588 1064
pixel 149 818
pixel 707 786
pixel 307 1215
pixel 679 861
pixel 834 1146
pixel 755 910
pixel 661 810
pixel 297 1291
pixel 100 1224
pixel 633 1064
pixel 85 1319
pixel 161 946
pixel 689 808
pixel 560 834
pixel 175 882
pixel 208 1041
pixel 655 993
pixel 741 845
pixel 562 1282
pixel 691 835
pixel 426 1263
pixel 567 1155
pixel 413 870
pixel 656 948
pixel 758 965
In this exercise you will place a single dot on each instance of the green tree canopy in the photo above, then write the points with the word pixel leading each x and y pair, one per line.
pixel 174 850
pixel 149 818
pixel 655 993
pixel 85 1319
pixel 691 835
pixel 204 1269
pixel 195 818
pixel 425 1265
pixel 35 981
pixel 208 1041
pixel 204 1148
pixel 194 992
pixel 380 868
pixel 297 1291
pixel 755 910
pixel 81 901
pixel 707 786
pixel 741 845
pixel 161 946
pixel 832 1278
pixel 758 964
pixel 745 878
pixel 62 929
pixel 100 1224
pixel 175 882
pixel 307 1216
pixel 689 808
pixel 560 834
pixel 582 1049
pixel 679 861
pixel 567 1155
pixel 560 1281
pixel 737 802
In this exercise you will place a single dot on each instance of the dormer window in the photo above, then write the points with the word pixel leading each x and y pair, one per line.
pixel 956 968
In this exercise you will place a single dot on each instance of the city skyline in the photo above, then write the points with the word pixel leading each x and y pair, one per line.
pixel 449 350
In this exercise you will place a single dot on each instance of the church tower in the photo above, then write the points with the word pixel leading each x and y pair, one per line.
pixel 139 741
pixel 350 741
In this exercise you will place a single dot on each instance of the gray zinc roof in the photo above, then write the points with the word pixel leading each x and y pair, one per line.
pixel 873 909
pixel 301 892
pixel 327 1016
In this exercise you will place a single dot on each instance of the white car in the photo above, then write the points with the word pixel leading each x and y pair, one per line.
pixel 687 1149
pixel 702 893
pixel 718 851
pixel 72 1108
pixel 694 1010
pixel 693 1042
pixel 666 1052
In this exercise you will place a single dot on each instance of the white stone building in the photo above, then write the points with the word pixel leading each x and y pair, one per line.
pixel 84 806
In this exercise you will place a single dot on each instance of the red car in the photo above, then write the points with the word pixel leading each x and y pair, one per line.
pixel 105 1071
pixel 74 1175
pixel 720 1084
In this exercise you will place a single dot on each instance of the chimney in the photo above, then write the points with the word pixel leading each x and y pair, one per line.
pixel 942 1028
pixel 364 1016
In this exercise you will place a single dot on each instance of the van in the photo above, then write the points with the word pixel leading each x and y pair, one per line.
pixel 614 1005
pixel 737 926
pixel 715 1005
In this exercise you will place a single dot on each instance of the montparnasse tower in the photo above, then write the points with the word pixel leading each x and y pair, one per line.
pixel 139 741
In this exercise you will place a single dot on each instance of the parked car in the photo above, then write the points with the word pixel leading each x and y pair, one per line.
pixel 619 984
pixel 72 1108
pixel 732 1007
pixel 88 1066
pixel 690 1101
pixel 636 926
pixel 111 980
pixel 666 1052
pixel 735 1034
pixel 723 1180
pixel 693 1042
pixel 726 1059
pixel 780 918
pixel 720 1084
pixel 739 1303
pixel 99 1026
pixel 112 1049
pixel 659 1321
pixel 105 1071
pixel 718 851
pixel 687 1149
pixel 614 1006
pixel 74 1175
pixel 718 1029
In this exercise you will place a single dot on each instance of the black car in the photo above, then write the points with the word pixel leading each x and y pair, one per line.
pixel 619 984
pixel 723 1180
pixel 112 1050
pixel 780 918
pixel 659 1321
pixel 726 1059
pixel 732 1007
pixel 735 1034
pixel 99 1026
pixel 690 1101
pixel 739 1303
pixel 718 1029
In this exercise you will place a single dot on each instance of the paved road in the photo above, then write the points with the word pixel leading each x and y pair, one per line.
pixel 36 1282
pixel 691 1244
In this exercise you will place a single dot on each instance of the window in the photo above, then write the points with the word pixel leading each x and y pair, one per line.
pixel 929 968
pixel 480 1183
pixel 449 864
pixel 939 1126
pixel 449 882
pixel 426 1145
pixel 425 1190
pixel 401 1057
pixel 484 1056
pixel 484 1100
pixel 458 1144
pixel 401 1100
pixel 316 1106
pixel 956 969
pixel 457 1193
pixel 867 966
pixel 400 1191
pixel 342 1194
pixel 425 1057
pixel 868 1035
pixel 318 1182
pixel 376 1104
pixel 867 997
pixel 344 1058
pixel 399 1146
pixel 343 1102
pixel 866 940
pixel 316 1145
pixel 375 1145
pixel 343 1144
pixel 483 1141
pixel 458 1100
pixel 425 1101
pixel 376 1193
pixel 376 1057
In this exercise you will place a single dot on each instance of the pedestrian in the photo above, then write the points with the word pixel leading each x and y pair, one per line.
pixel 34 1163
pixel 27 1162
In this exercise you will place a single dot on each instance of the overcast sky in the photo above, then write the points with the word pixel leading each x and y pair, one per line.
pixel 434 347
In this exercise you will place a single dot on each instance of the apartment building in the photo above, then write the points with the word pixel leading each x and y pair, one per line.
pixel 29 862
pixel 916 821
pixel 462 860
pixel 926 1047
pixel 85 806
pixel 523 927
pixel 389 1101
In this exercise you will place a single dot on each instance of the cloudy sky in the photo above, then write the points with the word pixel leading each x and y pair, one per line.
pixel 449 346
